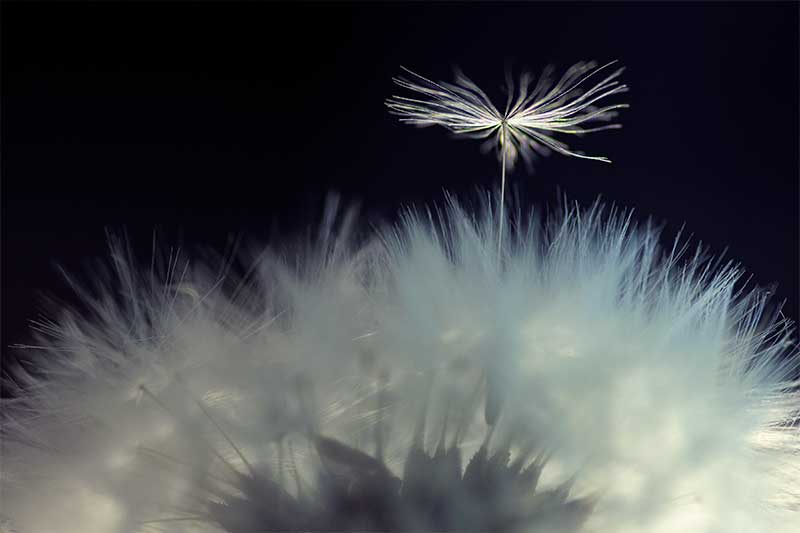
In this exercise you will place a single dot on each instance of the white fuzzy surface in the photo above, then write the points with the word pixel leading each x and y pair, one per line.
pixel 665 392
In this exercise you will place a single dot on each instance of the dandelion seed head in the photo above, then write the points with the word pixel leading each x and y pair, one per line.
pixel 594 383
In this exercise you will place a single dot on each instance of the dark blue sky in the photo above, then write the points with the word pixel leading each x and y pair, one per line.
pixel 206 120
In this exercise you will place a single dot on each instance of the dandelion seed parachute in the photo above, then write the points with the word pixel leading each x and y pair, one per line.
pixel 533 114
pixel 588 383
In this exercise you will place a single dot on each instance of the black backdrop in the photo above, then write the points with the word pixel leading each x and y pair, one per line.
pixel 205 120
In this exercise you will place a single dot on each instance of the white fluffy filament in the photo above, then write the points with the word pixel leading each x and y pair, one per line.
pixel 642 388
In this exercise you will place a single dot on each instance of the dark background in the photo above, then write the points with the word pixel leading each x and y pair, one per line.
pixel 210 120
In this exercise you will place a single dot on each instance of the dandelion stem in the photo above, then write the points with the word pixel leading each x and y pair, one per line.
pixel 502 194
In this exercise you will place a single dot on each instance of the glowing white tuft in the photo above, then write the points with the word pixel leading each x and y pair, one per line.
pixel 532 115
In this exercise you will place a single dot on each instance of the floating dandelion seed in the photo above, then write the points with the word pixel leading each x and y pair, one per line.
pixel 530 118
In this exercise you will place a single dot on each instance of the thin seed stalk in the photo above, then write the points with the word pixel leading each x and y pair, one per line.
pixel 502 193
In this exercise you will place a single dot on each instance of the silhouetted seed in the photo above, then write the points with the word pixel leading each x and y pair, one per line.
pixel 262 487
pixel 522 457
pixel 363 502
pixel 578 512
pixel 360 494
pixel 473 475
pixel 497 476
pixel 354 459
pixel 530 476
pixel 564 489
pixel 548 499
pixel 453 458
pixel 240 515
pixel 354 491
pixel 417 479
